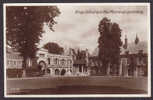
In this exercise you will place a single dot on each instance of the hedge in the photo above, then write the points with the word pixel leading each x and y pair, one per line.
pixel 30 72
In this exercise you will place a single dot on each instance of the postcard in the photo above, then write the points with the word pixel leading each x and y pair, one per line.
pixel 77 50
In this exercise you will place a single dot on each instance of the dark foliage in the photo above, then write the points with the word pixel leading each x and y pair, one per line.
pixel 54 48
pixel 109 43
pixel 24 27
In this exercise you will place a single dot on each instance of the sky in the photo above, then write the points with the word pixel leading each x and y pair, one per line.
pixel 77 26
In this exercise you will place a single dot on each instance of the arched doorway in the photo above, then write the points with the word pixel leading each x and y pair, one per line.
pixel 48 71
pixel 57 72
pixel 71 70
pixel 63 72
pixel 42 65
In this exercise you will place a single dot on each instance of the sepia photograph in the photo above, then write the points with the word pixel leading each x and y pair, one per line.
pixel 77 50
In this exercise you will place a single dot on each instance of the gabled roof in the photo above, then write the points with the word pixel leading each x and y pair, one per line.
pixel 134 48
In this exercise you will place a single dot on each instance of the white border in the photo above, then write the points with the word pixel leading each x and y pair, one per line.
pixel 80 4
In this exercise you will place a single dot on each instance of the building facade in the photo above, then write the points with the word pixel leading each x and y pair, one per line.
pixel 53 64
pixel 134 64
pixel 134 59
pixel 81 62
pixel 13 59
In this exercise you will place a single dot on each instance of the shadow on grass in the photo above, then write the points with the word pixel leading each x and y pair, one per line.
pixel 81 90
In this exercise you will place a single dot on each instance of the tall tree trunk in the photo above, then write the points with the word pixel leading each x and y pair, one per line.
pixel 24 65
pixel 108 69
pixel 104 69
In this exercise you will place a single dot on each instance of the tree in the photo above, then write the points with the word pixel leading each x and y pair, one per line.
pixel 54 48
pixel 109 44
pixel 24 27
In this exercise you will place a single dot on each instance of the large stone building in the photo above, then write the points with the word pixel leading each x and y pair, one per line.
pixel 69 64
pixel 54 64
pixel 73 63
pixel 51 64
pixel 81 62
pixel 13 59
pixel 134 59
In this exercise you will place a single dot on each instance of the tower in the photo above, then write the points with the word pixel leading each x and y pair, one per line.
pixel 136 40
pixel 126 43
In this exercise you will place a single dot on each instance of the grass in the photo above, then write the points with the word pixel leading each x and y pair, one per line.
pixel 81 90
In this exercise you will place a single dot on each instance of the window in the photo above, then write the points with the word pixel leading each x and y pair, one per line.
pixel 69 62
pixel 62 62
pixel 49 61
pixel 11 62
pixel 124 60
pixel 42 55
pixel 14 62
pixel 8 62
pixel 80 69
pixel 17 62
pixel 20 62
pixel 55 61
